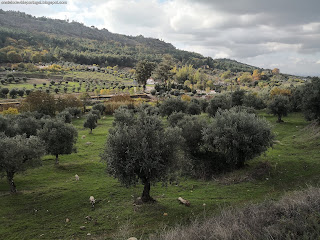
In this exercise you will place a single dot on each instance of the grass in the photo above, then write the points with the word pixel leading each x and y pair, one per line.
pixel 295 216
pixel 48 194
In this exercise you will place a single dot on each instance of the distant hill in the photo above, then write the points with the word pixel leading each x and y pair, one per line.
pixel 232 65
pixel 50 40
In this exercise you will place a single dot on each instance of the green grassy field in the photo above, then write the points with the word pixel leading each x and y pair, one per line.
pixel 48 194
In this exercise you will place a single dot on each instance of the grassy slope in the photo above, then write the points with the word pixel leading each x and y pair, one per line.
pixel 48 195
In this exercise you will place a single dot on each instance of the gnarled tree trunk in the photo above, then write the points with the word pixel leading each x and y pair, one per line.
pixel 146 193
pixel 13 188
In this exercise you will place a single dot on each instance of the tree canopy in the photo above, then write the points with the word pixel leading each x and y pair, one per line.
pixel 59 137
pixel 18 154
pixel 140 149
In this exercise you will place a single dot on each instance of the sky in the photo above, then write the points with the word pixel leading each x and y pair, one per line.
pixel 264 33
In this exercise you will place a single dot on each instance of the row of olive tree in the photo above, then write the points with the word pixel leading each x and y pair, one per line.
pixel 26 137
pixel 140 148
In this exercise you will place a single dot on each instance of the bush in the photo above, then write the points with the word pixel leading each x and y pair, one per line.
pixel 112 106
pixel 295 216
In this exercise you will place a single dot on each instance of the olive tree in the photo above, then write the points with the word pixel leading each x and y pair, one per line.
pixel 27 125
pixel 311 100
pixel 143 71
pixel 279 106
pixel 238 136
pixel 140 149
pixel 171 105
pixel 237 97
pixel 65 116
pixel 222 101
pixel 101 107
pixel 18 154
pixel 4 92
pixel 91 121
pixel 59 138
pixel 3 124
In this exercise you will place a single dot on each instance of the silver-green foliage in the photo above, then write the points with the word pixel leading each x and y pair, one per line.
pixel 18 154
pixel 238 135
pixel 139 148
pixel 59 137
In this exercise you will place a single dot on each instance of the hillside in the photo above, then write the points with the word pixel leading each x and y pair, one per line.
pixel 50 40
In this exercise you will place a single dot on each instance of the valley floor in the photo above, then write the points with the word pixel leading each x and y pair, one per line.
pixel 49 195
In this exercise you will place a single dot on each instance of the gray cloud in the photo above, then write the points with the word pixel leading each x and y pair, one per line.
pixel 269 33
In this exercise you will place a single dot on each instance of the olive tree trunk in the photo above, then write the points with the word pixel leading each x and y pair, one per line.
pixel 279 118
pixel 57 159
pixel 13 188
pixel 146 193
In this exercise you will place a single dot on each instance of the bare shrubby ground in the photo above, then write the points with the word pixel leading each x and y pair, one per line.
pixel 296 216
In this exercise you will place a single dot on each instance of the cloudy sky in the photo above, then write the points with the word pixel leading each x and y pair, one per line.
pixel 264 33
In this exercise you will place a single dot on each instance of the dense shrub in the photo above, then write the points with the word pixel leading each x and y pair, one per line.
pixel 118 101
